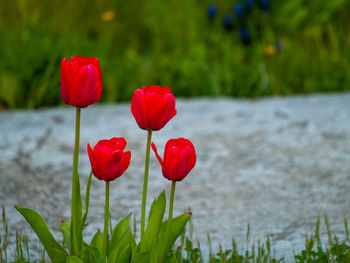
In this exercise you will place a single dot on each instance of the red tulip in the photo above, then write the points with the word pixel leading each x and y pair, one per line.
pixel 153 107
pixel 81 83
pixel 179 158
pixel 108 159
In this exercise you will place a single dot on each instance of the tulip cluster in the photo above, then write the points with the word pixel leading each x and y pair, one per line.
pixel 152 107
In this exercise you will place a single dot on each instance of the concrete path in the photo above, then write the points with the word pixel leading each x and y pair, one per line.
pixel 275 163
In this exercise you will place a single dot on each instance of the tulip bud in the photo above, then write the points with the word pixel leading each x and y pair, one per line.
pixel 81 83
pixel 179 158
pixel 108 159
pixel 153 107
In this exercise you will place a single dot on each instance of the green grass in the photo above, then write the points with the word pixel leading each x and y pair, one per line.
pixel 22 253
pixel 259 252
pixel 172 44
pixel 314 252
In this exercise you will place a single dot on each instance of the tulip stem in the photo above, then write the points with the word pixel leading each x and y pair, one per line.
pixel 145 182
pixel 75 188
pixel 170 217
pixel 105 229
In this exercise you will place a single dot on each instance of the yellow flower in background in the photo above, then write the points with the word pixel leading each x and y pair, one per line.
pixel 270 50
pixel 108 16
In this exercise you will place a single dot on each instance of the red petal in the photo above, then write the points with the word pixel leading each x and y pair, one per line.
pixel 139 109
pixel 68 73
pixel 118 143
pixel 103 152
pixel 93 162
pixel 96 63
pixel 98 91
pixel 164 111
pixel 82 93
pixel 157 89
pixel 82 61
pixel 126 161
pixel 177 169
pixel 160 107
pixel 171 151
pixel 154 148
pixel 113 168
pixel 189 157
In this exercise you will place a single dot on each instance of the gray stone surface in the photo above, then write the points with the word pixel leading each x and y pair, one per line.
pixel 275 163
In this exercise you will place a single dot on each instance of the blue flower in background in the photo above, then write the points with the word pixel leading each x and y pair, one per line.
pixel 279 45
pixel 227 21
pixel 248 4
pixel 264 5
pixel 245 36
pixel 238 10
pixel 212 11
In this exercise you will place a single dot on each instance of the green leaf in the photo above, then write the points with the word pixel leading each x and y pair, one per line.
pixel 174 259
pixel 90 254
pixel 125 255
pixel 113 255
pixel 65 229
pixel 157 251
pixel 114 251
pixel 56 252
pixel 74 259
pixel 122 238
pixel 142 257
pixel 177 226
pixel 178 255
pixel 154 222
pixel 120 230
pixel 87 201
pixel 97 241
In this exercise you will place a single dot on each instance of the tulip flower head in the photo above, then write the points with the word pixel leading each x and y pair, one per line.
pixel 153 107
pixel 179 158
pixel 81 83
pixel 108 159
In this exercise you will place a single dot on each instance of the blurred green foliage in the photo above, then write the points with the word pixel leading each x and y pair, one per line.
pixel 172 43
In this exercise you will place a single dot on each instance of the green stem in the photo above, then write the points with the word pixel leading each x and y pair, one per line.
pixel 105 230
pixel 170 217
pixel 145 182
pixel 75 182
